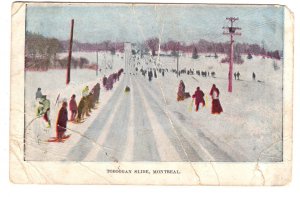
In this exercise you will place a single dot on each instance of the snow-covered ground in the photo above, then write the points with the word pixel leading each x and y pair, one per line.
pixel 148 124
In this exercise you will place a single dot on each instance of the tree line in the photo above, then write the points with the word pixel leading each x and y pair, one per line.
pixel 41 52
pixel 204 46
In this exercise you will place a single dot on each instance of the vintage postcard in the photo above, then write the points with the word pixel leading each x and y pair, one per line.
pixel 159 94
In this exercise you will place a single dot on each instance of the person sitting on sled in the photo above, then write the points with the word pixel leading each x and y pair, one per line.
pixel 198 96
pixel 44 109
pixel 61 123
pixel 216 107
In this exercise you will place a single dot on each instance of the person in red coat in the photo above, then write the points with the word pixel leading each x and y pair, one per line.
pixel 198 96
pixel 216 107
pixel 61 123
pixel 181 91
pixel 73 107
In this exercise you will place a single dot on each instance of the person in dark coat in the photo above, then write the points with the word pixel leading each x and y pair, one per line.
pixel 216 107
pixel 150 75
pixel 61 123
pixel 109 83
pixel 253 76
pixel 38 94
pixel 181 91
pixel 73 107
pixel 81 109
pixel 90 104
pixel 96 92
pixel 198 96
pixel 238 75
pixel 115 76
pixel 104 81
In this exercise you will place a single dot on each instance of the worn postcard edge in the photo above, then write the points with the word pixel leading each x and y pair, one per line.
pixel 191 173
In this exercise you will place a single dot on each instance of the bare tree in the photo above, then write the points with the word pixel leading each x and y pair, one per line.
pixel 152 43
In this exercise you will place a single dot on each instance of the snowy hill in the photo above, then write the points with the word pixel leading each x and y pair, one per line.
pixel 149 124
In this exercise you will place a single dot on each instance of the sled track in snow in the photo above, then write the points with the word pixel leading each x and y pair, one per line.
pixel 97 128
pixel 136 127
pixel 196 142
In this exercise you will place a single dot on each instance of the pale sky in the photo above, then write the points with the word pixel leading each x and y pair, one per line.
pixel 188 23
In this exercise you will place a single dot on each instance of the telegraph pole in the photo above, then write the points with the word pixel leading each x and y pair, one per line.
pixel 70 53
pixel 97 67
pixel 231 32
pixel 177 58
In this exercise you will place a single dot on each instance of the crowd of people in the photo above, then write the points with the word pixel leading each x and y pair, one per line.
pixel 193 72
pixel 109 81
pixel 88 101
pixel 153 72
pixel 198 97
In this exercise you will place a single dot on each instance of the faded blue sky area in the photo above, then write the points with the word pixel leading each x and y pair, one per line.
pixel 187 23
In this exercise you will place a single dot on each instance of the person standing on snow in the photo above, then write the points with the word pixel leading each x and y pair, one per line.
pixel 238 75
pixel 104 80
pixel 198 96
pixel 110 82
pixel 96 92
pixel 44 110
pixel 81 109
pixel 85 110
pixel 85 91
pixel 38 94
pixel 181 91
pixel 216 107
pixel 90 101
pixel 73 107
pixel 150 75
pixel 253 76
pixel 61 123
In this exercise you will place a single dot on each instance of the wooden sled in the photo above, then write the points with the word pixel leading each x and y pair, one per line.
pixel 55 139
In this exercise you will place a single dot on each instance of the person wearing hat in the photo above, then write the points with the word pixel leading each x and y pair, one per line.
pixel 216 107
pixel 73 107
pixel 61 123
pixel 198 96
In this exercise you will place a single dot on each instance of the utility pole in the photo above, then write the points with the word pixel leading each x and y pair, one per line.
pixel 177 58
pixel 231 32
pixel 70 53
pixel 97 67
